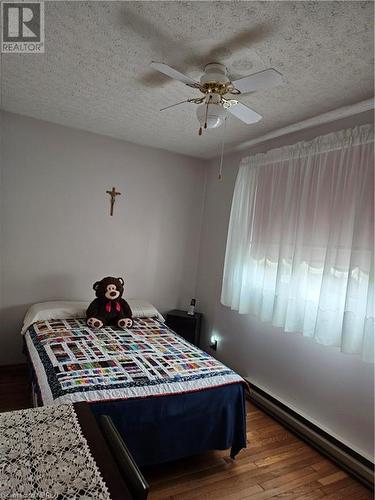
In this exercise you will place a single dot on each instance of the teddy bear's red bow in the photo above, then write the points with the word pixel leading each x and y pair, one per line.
pixel 108 307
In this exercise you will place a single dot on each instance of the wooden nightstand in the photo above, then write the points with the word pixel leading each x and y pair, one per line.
pixel 188 327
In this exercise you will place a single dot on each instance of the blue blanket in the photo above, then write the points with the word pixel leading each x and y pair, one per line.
pixel 164 428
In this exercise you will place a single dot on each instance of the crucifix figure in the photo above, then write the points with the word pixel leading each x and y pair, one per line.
pixel 113 195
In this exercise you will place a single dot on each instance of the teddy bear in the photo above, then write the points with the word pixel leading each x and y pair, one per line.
pixel 109 308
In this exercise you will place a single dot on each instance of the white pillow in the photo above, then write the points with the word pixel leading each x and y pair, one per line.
pixel 45 311
pixel 143 309
pixel 60 309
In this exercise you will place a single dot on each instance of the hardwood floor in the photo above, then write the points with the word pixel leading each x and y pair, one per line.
pixel 276 464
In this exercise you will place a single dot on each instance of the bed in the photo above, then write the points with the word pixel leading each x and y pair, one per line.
pixel 167 398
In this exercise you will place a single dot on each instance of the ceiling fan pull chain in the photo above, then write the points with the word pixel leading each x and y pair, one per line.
pixel 222 151
pixel 205 120
pixel 208 102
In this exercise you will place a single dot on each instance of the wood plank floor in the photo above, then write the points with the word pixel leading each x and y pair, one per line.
pixel 276 464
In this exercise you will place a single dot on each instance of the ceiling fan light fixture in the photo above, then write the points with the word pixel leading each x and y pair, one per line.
pixel 215 115
pixel 214 72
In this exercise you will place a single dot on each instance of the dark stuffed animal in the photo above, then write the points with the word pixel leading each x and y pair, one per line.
pixel 109 308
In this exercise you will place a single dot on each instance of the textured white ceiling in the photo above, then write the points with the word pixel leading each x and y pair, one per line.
pixel 94 74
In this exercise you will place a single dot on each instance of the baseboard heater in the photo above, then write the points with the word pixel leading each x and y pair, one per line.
pixel 344 456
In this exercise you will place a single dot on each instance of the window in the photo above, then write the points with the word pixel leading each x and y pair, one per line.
pixel 301 240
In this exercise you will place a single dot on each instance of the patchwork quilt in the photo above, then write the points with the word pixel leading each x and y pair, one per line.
pixel 73 362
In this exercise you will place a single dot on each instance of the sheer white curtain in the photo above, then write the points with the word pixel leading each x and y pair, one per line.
pixel 301 240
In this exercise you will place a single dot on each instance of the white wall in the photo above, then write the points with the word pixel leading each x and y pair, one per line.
pixel 58 238
pixel 332 389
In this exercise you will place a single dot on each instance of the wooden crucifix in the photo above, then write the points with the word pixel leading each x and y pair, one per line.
pixel 113 195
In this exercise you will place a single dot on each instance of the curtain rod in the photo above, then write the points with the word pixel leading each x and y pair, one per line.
pixel 330 116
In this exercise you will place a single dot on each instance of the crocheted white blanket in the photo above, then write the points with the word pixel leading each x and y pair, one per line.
pixel 44 455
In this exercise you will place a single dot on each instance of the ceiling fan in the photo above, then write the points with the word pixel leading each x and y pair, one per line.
pixel 218 89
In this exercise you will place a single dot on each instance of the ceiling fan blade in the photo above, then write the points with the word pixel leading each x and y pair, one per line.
pixel 173 73
pixel 197 100
pixel 244 113
pixel 258 81
pixel 173 105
